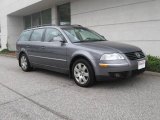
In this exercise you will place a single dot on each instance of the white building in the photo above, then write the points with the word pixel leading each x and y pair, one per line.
pixel 135 22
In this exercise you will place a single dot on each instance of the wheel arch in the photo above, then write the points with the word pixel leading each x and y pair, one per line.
pixel 80 56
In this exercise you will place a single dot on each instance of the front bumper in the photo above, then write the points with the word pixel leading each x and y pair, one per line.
pixel 118 69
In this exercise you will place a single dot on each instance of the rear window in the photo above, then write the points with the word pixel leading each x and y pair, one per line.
pixel 25 35
pixel 37 35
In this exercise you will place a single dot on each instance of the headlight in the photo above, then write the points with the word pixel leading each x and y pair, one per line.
pixel 114 56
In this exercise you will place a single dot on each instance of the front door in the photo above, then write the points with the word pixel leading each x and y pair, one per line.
pixel 54 52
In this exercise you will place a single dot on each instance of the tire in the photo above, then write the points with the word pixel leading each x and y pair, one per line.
pixel 83 73
pixel 24 63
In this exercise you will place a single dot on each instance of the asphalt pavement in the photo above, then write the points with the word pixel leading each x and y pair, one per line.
pixel 46 95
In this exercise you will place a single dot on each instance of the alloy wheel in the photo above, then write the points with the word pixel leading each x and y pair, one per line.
pixel 81 73
pixel 24 63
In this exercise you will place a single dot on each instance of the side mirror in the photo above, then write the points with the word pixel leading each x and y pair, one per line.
pixel 58 39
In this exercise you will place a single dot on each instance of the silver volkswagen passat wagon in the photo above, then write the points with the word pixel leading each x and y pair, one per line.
pixel 82 53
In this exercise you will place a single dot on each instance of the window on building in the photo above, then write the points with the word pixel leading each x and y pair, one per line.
pixel 46 17
pixel 25 35
pixel 37 19
pixel 64 14
pixel 37 35
pixel 51 34
pixel 27 21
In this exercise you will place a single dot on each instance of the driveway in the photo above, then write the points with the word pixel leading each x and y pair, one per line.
pixel 44 95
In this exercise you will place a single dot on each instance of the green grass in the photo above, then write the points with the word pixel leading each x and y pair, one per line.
pixel 153 64
pixel 5 51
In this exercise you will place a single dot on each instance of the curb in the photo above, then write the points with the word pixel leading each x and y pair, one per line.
pixel 8 55
pixel 152 73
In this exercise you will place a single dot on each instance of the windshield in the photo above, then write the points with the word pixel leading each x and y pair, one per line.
pixel 82 35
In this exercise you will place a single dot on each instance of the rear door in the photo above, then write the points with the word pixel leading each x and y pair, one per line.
pixel 34 46
pixel 54 52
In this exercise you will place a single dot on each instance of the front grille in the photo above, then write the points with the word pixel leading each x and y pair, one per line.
pixel 135 55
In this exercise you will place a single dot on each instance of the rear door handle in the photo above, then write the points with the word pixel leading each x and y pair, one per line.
pixel 43 47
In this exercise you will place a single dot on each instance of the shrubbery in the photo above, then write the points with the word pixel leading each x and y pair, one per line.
pixel 5 51
pixel 153 64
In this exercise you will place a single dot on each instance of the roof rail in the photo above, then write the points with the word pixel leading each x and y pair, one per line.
pixel 50 25
pixel 41 26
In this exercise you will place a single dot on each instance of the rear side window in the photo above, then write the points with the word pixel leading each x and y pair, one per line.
pixel 37 35
pixel 51 33
pixel 25 35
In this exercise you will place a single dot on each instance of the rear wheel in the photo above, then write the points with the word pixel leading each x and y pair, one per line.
pixel 83 73
pixel 24 63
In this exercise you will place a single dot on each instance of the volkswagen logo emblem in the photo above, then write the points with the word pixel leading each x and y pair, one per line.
pixel 138 55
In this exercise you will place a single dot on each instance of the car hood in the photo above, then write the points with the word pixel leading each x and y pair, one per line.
pixel 109 46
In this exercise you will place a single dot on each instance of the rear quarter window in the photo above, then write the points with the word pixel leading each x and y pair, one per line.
pixel 25 35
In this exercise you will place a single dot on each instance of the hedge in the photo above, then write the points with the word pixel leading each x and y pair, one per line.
pixel 5 51
pixel 153 63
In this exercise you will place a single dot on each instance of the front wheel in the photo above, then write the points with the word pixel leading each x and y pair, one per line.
pixel 83 73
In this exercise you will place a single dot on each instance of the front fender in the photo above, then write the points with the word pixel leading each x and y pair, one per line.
pixel 85 54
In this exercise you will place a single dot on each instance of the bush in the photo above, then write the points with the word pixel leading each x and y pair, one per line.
pixel 153 64
pixel 5 51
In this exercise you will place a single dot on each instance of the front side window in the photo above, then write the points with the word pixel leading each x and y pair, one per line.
pixel 25 35
pixel 52 33
pixel 82 35
pixel 37 35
